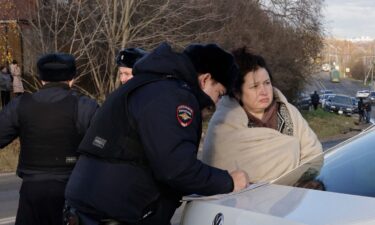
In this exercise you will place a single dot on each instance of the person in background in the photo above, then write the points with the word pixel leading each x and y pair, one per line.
pixel 361 110
pixel 15 71
pixel 6 85
pixel 50 124
pixel 125 61
pixel 139 156
pixel 256 129
pixel 367 110
pixel 315 100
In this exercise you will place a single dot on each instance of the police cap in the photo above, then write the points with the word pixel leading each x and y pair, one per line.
pixel 212 59
pixel 129 56
pixel 56 67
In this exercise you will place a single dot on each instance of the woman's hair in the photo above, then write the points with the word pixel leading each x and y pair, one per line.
pixel 246 62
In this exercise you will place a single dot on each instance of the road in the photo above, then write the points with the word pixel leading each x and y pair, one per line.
pixel 9 187
pixel 346 86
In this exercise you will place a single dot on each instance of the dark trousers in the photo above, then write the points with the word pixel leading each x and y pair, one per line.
pixel 41 203
pixel 162 216
pixel 315 105
pixel 5 98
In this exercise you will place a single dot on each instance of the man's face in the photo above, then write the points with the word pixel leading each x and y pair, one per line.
pixel 125 74
pixel 211 87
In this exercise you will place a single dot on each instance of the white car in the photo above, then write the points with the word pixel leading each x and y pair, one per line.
pixel 362 94
pixel 347 178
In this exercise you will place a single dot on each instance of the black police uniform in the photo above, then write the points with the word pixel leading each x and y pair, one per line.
pixel 50 124
pixel 137 171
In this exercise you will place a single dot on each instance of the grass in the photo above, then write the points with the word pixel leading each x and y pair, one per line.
pixel 9 157
pixel 327 124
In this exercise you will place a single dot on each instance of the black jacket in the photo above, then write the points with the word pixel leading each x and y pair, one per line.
pixel 51 92
pixel 168 120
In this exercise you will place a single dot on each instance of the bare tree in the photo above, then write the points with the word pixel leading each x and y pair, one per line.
pixel 286 34
pixel 94 30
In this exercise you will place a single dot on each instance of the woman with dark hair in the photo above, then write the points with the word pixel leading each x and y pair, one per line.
pixel 256 128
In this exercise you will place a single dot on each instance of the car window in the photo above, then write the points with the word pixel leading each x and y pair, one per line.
pixel 342 100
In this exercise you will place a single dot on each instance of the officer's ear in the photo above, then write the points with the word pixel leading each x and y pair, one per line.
pixel 71 82
pixel 203 79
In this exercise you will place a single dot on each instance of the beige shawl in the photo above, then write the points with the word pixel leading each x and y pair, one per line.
pixel 264 153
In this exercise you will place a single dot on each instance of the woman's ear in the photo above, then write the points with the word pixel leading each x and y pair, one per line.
pixel 237 95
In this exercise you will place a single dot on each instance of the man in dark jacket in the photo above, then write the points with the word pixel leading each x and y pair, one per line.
pixel 50 124
pixel 139 156
pixel 125 61
pixel 315 100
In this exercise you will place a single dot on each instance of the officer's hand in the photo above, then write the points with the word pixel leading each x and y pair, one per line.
pixel 240 179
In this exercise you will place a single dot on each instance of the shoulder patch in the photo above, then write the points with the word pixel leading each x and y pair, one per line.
pixel 184 115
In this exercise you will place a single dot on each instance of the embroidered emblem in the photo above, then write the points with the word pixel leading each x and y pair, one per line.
pixel 185 115
pixel 99 142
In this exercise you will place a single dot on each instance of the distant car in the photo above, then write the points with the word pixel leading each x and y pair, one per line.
pixel 362 94
pixel 341 104
pixel 355 104
pixel 371 97
pixel 344 193
pixel 323 99
pixel 326 67
pixel 326 91
pixel 303 103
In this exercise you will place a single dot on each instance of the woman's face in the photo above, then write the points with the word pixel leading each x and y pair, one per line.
pixel 257 91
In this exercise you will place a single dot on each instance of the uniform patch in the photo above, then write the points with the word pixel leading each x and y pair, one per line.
pixel 185 115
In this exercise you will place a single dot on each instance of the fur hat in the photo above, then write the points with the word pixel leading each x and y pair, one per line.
pixel 212 59
pixel 129 56
pixel 56 67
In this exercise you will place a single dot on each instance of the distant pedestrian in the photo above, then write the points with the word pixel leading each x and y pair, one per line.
pixel 315 100
pixel 367 110
pixel 6 85
pixel 361 110
pixel 15 71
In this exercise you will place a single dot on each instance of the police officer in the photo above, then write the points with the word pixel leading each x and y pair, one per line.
pixel 50 124
pixel 139 156
pixel 125 61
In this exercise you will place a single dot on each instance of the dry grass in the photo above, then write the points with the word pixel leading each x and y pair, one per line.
pixel 9 157
pixel 326 124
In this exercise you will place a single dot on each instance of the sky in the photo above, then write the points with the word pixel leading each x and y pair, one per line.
pixel 349 18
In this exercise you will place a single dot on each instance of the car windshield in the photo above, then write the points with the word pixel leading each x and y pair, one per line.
pixel 341 100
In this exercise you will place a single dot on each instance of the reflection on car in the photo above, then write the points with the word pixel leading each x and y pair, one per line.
pixel 341 193
pixel 341 104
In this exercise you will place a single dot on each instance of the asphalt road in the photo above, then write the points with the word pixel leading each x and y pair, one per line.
pixel 346 86
pixel 9 187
